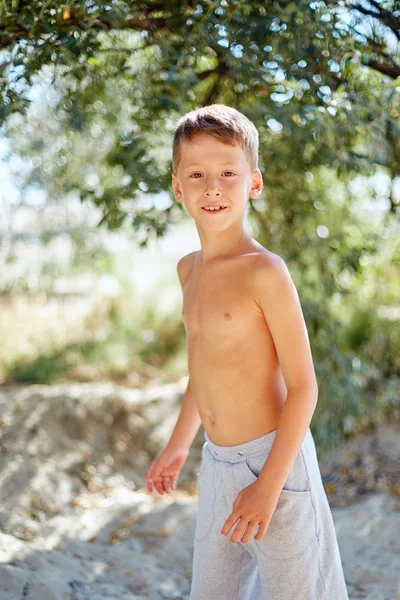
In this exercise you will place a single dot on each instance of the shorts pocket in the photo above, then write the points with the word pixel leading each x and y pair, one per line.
pixel 207 506
pixel 292 527
pixel 296 481
pixel 293 524
pixel 253 465
pixel 205 459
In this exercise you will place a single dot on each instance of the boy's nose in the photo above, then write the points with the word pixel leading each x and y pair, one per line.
pixel 213 190
pixel 212 187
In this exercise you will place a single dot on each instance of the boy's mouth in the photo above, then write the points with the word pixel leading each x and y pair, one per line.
pixel 213 208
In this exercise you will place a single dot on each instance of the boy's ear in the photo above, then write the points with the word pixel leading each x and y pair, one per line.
pixel 257 184
pixel 176 188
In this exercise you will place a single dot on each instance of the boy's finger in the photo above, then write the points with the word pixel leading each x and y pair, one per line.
pixel 151 477
pixel 155 483
pixel 159 488
pixel 162 483
pixel 167 484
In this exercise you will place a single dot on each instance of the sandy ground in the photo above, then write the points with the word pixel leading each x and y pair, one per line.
pixel 77 523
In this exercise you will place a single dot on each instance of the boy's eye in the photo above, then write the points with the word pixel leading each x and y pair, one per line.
pixel 192 175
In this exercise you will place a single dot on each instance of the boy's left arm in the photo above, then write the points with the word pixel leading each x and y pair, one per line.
pixel 277 297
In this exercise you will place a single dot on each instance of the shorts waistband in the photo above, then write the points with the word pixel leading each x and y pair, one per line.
pixel 239 452
pixel 260 445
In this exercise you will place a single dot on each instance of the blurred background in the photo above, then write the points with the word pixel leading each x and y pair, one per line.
pixel 90 233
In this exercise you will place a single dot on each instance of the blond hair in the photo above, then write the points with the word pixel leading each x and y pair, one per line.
pixel 223 122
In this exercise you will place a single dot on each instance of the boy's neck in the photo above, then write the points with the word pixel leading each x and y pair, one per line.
pixel 215 244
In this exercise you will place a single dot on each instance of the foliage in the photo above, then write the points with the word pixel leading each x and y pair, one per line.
pixel 113 344
pixel 357 369
pixel 377 340
pixel 124 72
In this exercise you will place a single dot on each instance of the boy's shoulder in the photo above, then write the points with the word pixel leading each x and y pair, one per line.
pixel 266 260
pixel 270 272
pixel 272 285
pixel 185 265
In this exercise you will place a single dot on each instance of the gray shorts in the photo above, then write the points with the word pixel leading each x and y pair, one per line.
pixel 298 557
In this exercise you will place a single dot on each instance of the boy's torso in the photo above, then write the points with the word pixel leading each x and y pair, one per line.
pixel 233 365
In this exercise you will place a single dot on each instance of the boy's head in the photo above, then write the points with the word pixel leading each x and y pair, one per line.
pixel 215 160
pixel 225 123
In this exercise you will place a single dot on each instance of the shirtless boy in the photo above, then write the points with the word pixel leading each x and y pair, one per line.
pixel 264 529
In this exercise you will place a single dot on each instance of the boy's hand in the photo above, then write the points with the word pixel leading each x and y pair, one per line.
pixel 164 470
pixel 253 507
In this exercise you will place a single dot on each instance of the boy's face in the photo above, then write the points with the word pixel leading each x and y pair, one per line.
pixel 213 173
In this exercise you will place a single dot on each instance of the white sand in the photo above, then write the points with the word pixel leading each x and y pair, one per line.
pixel 77 524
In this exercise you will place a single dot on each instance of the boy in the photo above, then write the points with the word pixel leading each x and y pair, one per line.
pixel 251 384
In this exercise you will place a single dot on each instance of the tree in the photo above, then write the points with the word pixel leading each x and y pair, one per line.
pixel 123 72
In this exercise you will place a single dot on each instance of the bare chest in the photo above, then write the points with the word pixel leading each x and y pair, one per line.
pixel 219 308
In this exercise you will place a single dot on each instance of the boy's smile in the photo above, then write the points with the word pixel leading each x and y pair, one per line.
pixel 212 209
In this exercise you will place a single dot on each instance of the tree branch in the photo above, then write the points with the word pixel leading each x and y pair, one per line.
pixel 384 16
pixel 391 70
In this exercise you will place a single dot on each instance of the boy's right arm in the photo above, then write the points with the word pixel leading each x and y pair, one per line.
pixel 164 471
pixel 189 421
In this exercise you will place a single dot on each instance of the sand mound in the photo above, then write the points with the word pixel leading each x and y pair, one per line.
pixel 76 522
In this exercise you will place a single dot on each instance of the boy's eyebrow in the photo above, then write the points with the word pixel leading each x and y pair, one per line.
pixel 226 164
